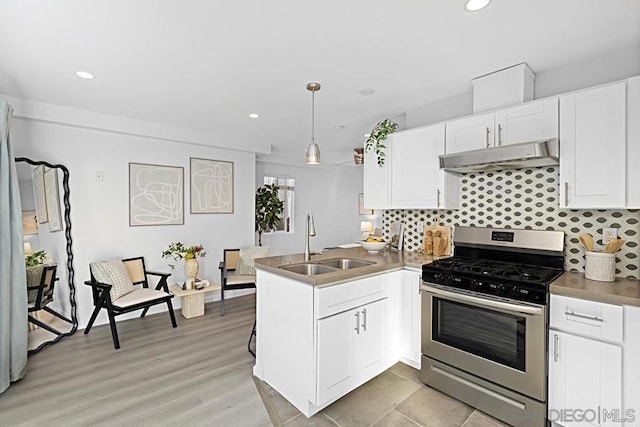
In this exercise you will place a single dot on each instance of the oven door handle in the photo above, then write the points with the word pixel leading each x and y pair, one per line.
pixel 482 302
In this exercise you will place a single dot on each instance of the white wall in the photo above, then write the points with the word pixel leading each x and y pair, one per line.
pixel 616 65
pixel 330 193
pixel 99 211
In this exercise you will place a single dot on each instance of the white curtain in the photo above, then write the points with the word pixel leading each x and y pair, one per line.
pixel 13 281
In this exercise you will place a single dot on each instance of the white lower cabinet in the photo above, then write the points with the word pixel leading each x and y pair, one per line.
pixel 585 381
pixel 410 319
pixel 586 372
pixel 317 344
pixel 351 347
pixel 336 367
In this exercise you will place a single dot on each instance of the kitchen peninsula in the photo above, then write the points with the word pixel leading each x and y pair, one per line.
pixel 323 334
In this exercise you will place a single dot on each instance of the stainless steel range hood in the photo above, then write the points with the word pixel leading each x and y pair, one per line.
pixel 513 156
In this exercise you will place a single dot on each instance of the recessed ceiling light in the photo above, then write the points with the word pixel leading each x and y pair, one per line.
pixel 84 75
pixel 339 127
pixel 254 115
pixel 366 91
pixel 476 5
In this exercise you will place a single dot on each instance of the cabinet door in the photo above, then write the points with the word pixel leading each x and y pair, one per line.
pixel 370 339
pixel 633 147
pixel 336 374
pixel 377 179
pixel 472 133
pixel 592 148
pixel 584 375
pixel 529 122
pixel 416 178
pixel 410 321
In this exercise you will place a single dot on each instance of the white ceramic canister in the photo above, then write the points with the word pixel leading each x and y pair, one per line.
pixel 600 266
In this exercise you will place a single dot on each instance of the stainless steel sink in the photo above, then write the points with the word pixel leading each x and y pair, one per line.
pixel 309 269
pixel 345 263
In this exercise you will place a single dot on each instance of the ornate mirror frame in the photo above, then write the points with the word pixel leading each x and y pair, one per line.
pixel 67 233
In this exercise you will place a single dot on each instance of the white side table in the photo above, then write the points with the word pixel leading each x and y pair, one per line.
pixel 192 299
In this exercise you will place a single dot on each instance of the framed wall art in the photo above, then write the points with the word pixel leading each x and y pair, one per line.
pixel 29 222
pixel 53 199
pixel 156 195
pixel 211 186
pixel 39 194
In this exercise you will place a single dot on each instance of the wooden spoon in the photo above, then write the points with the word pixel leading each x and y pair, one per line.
pixel 613 246
pixel 587 241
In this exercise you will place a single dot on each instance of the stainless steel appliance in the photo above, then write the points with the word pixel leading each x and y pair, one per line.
pixel 485 320
pixel 512 156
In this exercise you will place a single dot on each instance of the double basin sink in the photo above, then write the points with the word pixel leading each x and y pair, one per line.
pixel 313 268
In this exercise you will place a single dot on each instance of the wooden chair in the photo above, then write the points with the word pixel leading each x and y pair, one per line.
pixel 140 298
pixel 40 285
pixel 228 279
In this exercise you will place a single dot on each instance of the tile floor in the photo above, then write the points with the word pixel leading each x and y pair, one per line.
pixel 395 398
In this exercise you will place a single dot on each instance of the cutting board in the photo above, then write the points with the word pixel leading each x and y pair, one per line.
pixel 445 235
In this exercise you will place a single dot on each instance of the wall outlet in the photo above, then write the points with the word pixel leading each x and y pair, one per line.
pixel 609 234
pixel 99 176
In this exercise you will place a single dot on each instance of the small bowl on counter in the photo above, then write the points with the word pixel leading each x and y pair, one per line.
pixel 373 247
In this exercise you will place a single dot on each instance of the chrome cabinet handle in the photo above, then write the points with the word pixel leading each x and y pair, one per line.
pixel 566 193
pixel 584 316
pixel 555 347
pixel 357 328
pixel 364 319
pixel 438 198
pixel 487 136
pixel 499 134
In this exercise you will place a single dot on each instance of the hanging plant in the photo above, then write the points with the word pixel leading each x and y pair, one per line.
pixel 378 135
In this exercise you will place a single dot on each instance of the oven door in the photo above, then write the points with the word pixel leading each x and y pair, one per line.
pixel 500 340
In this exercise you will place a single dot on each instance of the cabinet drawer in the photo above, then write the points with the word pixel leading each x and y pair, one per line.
pixel 345 296
pixel 587 318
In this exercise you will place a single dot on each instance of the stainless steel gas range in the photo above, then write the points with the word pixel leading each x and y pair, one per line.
pixel 485 320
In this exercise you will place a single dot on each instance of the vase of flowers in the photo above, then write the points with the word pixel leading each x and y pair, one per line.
pixel 190 254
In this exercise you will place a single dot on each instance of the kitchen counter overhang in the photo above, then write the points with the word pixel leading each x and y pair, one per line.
pixel 385 261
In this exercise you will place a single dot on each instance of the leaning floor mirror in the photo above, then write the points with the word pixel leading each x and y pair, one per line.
pixel 46 222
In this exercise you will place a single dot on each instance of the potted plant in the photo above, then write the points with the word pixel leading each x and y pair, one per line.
pixel 35 259
pixel 377 137
pixel 190 254
pixel 269 209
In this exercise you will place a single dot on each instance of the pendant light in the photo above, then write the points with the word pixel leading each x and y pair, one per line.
pixel 312 153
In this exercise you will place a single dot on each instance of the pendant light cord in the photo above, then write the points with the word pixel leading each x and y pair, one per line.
pixel 313 116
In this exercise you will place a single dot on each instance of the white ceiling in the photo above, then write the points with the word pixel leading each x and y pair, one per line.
pixel 206 65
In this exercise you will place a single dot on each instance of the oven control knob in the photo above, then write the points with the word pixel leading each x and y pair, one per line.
pixel 474 285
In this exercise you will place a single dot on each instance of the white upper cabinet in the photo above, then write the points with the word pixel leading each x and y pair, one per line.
pixel 592 148
pixel 523 123
pixel 471 133
pixel 416 178
pixel 633 143
pixel 377 179
pixel 532 121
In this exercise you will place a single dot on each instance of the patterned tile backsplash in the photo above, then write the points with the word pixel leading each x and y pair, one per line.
pixel 527 198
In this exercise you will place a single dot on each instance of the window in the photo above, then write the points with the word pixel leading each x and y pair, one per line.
pixel 286 195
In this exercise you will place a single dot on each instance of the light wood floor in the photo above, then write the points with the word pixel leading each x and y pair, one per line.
pixel 199 374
